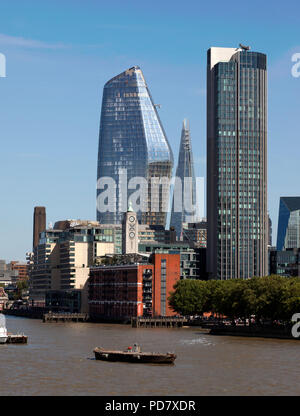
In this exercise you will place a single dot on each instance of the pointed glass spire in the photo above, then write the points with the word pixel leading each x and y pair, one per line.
pixel 184 196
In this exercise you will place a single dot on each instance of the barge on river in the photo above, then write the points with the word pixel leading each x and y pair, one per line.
pixel 134 355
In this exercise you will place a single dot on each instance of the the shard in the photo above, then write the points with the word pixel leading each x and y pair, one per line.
pixel 184 195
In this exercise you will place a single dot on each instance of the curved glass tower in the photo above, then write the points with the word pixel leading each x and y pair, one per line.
pixel 186 212
pixel 132 145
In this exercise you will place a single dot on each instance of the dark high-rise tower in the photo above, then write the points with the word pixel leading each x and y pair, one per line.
pixel 186 211
pixel 236 163
pixel 39 223
pixel 132 144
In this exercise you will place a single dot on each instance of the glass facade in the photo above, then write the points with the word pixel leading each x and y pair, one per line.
pixel 285 263
pixel 186 212
pixel 288 235
pixel 237 141
pixel 195 233
pixel 132 140
pixel 190 267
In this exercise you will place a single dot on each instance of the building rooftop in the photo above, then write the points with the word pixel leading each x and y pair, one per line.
pixel 291 202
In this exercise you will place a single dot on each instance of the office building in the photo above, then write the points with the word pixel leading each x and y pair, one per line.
pixel 288 234
pixel 190 265
pixel 285 263
pixel 8 275
pixel 22 269
pixel 195 233
pixel 132 147
pixel 184 196
pixel 62 259
pixel 236 163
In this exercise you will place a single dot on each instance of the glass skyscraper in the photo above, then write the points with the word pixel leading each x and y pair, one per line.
pixel 185 212
pixel 288 235
pixel 236 163
pixel 132 143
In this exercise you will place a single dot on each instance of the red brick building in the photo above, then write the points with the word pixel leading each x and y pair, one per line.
pixel 22 269
pixel 120 292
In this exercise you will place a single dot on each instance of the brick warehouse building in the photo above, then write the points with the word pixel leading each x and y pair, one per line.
pixel 117 293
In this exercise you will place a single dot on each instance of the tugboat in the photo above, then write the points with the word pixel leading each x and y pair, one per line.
pixel 134 355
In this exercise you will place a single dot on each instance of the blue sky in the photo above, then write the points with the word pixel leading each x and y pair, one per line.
pixel 60 54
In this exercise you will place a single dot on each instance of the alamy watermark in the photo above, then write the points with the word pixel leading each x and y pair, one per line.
pixel 2 66
pixel 151 195
pixel 296 326
pixel 296 67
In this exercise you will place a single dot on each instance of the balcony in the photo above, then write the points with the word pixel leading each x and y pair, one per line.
pixel 147 277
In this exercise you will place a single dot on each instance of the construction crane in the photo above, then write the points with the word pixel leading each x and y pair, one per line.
pixel 245 48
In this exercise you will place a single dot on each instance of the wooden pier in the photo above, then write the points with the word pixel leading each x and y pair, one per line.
pixel 65 317
pixel 162 322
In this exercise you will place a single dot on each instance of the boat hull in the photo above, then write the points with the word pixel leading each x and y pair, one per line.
pixel 3 340
pixel 132 357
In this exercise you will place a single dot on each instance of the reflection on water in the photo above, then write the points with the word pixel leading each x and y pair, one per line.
pixel 59 360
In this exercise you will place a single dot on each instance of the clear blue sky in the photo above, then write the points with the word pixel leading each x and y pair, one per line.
pixel 59 55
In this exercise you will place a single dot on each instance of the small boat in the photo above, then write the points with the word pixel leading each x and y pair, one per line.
pixel 3 335
pixel 134 355
pixel 16 339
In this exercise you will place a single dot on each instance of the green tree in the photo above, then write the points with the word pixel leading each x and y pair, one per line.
pixel 292 303
pixel 190 297
pixel 268 298
pixel 271 295
pixel 229 299
pixel 21 285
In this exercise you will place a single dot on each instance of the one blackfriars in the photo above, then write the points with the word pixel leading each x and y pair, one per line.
pixel 132 145
pixel 237 163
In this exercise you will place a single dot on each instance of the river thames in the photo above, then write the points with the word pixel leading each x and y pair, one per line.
pixel 59 360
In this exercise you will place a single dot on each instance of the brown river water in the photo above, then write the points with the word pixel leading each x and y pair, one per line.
pixel 59 360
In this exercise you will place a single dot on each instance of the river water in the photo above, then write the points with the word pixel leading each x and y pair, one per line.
pixel 59 360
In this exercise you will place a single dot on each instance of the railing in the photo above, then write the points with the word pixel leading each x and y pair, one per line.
pixel 65 316
pixel 161 321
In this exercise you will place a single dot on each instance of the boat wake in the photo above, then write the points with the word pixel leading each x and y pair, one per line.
pixel 197 341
